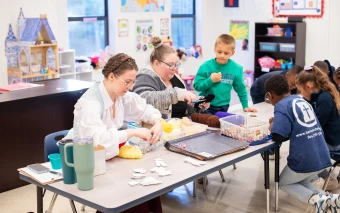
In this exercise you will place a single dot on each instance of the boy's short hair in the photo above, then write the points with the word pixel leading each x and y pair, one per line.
pixel 277 84
pixel 225 39
pixel 323 66
pixel 296 69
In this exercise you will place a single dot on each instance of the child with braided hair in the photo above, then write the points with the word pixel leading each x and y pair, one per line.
pixel 321 93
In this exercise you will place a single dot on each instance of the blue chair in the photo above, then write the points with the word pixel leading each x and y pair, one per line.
pixel 50 147
pixel 335 156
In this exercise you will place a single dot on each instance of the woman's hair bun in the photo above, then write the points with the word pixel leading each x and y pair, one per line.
pixel 156 41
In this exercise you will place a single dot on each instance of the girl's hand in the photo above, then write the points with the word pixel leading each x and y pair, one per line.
pixel 204 106
pixel 250 110
pixel 156 131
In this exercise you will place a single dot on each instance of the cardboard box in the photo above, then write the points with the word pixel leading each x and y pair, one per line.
pixel 99 160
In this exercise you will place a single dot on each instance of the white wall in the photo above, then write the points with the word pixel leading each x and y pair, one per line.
pixel 322 34
pixel 128 44
pixel 213 19
pixel 56 11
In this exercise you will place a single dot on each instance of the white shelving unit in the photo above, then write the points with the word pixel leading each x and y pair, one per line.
pixel 67 69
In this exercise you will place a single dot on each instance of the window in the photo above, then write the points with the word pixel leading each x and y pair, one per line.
pixel 87 26
pixel 183 32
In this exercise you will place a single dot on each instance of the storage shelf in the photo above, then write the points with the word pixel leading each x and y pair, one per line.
pixel 64 66
pixel 272 69
pixel 66 74
pixel 298 39
pixel 261 51
pixel 67 51
pixel 88 71
pixel 74 73
pixel 283 37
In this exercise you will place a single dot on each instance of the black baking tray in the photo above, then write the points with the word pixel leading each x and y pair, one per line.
pixel 206 145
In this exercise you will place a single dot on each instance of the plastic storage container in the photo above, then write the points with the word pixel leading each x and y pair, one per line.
pixel 83 66
pixel 182 130
pixel 244 128
pixel 287 47
pixel 268 46
pixel 144 146
pixel 275 31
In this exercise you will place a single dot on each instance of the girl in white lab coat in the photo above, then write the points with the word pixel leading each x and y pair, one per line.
pixel 102 110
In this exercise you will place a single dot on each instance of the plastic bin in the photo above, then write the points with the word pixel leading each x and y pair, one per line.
pixel 268 46
pixel 82 67
pixel 183 130
pixel 144 146
pixel 275 31
pixel 284 47
pixel 244 128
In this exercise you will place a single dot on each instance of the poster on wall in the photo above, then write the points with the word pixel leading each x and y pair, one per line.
pixel 240 31
pixel 164 26
pixel 142 6
pixel 123 27
pixel 144 30
pixel 305 8
pixel 231 3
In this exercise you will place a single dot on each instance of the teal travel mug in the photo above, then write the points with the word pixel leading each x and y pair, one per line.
pixel 69 175
pixel 83 155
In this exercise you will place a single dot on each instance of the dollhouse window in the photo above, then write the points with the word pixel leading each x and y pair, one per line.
pixel 88 20
pixel 23 58
pixel 183 23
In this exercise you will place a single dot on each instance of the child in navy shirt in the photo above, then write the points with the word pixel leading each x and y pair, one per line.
pixel 257 91
pixel 316 88
pixel 295 120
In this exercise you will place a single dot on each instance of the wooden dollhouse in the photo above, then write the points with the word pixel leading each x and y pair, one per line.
pixel 33 55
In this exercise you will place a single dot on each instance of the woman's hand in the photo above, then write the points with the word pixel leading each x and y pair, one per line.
pixel 156 131
pixel 142 133
pixel 250 110
pixel 190 97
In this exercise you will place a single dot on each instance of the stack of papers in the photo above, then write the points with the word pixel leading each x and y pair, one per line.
pixel 44 178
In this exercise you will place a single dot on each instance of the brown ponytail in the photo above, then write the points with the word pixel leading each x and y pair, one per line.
pixel 320 80
pixel 337 74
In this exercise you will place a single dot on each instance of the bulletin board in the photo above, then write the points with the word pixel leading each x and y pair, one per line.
pixel 305 8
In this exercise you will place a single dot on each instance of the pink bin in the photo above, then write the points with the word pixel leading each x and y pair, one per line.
pixel 189 80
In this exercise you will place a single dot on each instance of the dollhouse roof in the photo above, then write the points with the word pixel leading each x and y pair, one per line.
pixel 10 36
pixel 33 27
pixel 21 14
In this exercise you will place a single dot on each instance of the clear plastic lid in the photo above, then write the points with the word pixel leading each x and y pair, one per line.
pixel 83 141
pixel 65 141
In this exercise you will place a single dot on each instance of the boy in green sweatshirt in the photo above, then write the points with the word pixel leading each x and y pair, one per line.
pixel 219 75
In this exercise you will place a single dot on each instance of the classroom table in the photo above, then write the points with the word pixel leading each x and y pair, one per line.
pixel 112 193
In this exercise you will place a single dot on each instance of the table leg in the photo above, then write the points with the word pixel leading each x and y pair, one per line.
pixel 194 186
pixel 266 176
pixel 74 210
pixel 205 178
pixel 277 177
pixel 40 206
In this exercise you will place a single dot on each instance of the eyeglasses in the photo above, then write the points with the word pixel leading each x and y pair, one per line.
pixel 128 85
pixel 172 66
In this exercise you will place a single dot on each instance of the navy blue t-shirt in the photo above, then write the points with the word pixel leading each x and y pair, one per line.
pixel 294 118
pixel 257 90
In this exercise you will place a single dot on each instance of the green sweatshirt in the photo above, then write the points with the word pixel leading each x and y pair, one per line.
pixel 232 76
